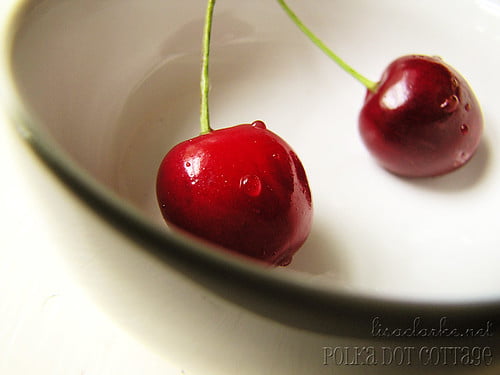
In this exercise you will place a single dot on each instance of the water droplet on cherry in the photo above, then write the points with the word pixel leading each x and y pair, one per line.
pixel 454 83
pixel 188 164
pixel 450 104
pixel 464 129
pixel 277 156
pixel 467 107
pixel 286 261
pixel 461 158
pixel 259 124
pixel 251 185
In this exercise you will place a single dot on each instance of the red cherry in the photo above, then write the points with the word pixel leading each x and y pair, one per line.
pixel 242 188
pixel 422 119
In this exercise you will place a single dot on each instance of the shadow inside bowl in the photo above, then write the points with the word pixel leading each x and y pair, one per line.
pixel 320 256
pixel 465 178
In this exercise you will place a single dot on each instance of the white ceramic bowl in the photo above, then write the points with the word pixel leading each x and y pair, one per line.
pixel 104 89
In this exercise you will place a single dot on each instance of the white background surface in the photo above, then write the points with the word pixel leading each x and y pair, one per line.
pixel 48 325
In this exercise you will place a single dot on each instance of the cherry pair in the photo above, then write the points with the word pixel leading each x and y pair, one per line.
pixel 244 189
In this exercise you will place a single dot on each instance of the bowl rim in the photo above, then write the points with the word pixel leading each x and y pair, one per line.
pixel 281 297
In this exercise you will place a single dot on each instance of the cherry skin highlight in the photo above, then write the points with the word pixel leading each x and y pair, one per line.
pixel 242 188
pixel 422 119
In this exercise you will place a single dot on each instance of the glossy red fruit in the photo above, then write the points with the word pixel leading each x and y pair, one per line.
pixel 422 119
pixel 242 188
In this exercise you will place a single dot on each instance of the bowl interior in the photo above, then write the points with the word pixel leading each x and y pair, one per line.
pixel 116 85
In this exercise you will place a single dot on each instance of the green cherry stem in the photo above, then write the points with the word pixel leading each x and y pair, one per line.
pixel 204 81
pixel 370 85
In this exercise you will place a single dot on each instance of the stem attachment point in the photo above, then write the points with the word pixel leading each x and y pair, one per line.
pixel 370 85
